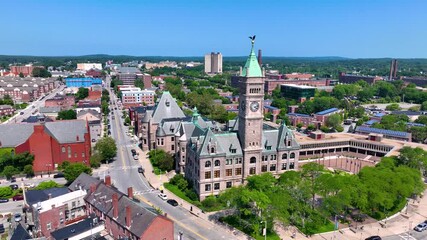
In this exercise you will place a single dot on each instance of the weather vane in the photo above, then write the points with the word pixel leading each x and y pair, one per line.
pixel 252 39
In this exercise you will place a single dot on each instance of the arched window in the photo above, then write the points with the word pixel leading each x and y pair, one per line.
pixel 212 150
pixel 284 156
pixel 69 152
pixel 207 163
pixel 63 149
pixel 252 160
pixel 292 155
pixel 217 163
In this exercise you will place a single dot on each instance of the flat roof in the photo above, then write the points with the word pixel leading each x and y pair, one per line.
pixel 298 86
pixel 327 111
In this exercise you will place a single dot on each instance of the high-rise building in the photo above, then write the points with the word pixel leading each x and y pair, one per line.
pixel 213 63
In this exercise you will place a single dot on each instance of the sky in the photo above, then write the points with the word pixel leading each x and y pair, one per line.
pixel 284 28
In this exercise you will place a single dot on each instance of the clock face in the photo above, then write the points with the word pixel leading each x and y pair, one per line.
pixel 254 106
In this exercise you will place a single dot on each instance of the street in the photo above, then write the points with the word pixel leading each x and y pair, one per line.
pixel 124 173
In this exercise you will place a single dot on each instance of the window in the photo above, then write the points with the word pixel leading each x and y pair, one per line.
pixel 252 170
pixel 63 149
pixel 212 150
pixel 228 172
pixel 172 147
pixel 208 175
pixel 75 154
pixel 217 163
pixel 207 187
pixel 69 152
pixel 238 171
pixel 83 154
pixel 264 158
pixel 233 150
pixel 252 160
pixel 228 161
pixel 292 155
pixel 264 168
pixel 217 174
pixel 268 147
pixel 172 138
pixel 207 163
pixel 49 226
pixel 228 184
pixel 284 156
pixel 272 167
pixel 238 161
pixel 284 165
pixel 216 186
pixel 291 165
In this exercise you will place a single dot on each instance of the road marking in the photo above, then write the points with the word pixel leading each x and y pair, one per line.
pixel 173 219
pixel 407 237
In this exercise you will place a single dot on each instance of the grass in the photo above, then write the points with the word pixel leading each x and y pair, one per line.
pixel 157 171
pixel 175 190
pixel 234 222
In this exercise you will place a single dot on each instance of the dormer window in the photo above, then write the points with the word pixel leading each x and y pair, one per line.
pixel 233 150
pixel 167 103
pixel 212 150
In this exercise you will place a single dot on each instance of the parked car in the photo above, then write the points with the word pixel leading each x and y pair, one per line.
pixel 58 175
pixel 14 186
pixel 29 185
pixel 421 227
pixel 1 228
pixel 13 179
pixel 21 113
pixel 172 202
pixel 140 170
pixel 4 200
pixel 18 198
pixel 18 217
pixel 373 238
pixel 93 140
pixel 163 196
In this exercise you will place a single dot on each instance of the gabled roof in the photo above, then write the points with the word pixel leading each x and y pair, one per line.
pixel 83 181
pixel 252 68
pixel 209 139
pixel 54 109
pixel 13 135
pixel 73 230
pixel 20 233
pixel 286 134
pixel 167 108
pixel 67 131
pixel 229 141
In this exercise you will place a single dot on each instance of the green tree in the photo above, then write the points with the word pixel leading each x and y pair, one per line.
pixel 21 75
pixel 41 72
pixel 6 192
pixel 424 106
pixel 72 171
pixel 106 147
pixel 46 185
pixel 334 120
pixel 95 160
pixel 422 119
pixel 161 159
pixel 28 170
pixel 67 115
pixel 82 93
pixel 393 107
pixel 9 171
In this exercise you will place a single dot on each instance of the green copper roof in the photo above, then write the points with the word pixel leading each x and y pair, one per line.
pixel 251 65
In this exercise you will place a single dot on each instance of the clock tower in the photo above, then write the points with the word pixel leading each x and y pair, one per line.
pixel 251 87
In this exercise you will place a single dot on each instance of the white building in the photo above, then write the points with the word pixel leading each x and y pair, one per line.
pixel 132 96
pixel 213 63
pixel 88 66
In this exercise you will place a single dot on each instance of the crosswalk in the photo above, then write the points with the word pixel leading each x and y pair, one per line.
pixel 145 192
pixel 407 237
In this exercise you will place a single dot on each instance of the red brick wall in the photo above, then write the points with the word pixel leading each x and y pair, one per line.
pixel 40 146
pixel 160 228
pixel 52 216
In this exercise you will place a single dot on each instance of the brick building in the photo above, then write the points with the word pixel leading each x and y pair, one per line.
pixel 6 110
pixel 26 89
pixel 349 78
pixel 26 70
pixel 64 102
pixel 51 143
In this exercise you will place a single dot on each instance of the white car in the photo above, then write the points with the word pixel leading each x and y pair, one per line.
pixel 18 217
pixel 163 196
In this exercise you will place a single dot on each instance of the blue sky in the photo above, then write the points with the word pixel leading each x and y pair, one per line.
pixel 298 28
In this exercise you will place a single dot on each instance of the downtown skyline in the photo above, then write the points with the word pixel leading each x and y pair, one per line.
pixel 353 29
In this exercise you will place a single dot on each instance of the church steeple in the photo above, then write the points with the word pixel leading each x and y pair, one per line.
pixel 252 68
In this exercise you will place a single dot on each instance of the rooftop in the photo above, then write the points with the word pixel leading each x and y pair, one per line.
pixel 327 111
pixel 298 86
pixel 383 131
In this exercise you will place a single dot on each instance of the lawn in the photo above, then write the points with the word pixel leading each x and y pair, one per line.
pixel 175 190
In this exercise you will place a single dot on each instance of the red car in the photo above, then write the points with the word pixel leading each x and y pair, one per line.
pixel 18 198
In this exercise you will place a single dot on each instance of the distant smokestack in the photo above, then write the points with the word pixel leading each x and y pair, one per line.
pixel 395 69
pixel 260 57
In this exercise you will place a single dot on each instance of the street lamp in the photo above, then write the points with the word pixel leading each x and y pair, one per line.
pixel 264 231
pixel 180 235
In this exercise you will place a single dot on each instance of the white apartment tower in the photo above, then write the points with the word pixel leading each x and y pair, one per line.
pixel 213 63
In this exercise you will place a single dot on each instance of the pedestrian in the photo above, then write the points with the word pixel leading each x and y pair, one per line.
pixel 191 208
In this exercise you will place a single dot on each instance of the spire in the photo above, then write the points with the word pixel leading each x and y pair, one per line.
pixel 252 68
pixel 195 116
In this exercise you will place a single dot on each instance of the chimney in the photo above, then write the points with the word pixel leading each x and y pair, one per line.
pixel 130 192
pixel 92 188
pixel 115 205
pixel 50 195
pixel 128 217
pixel 260 57
pixel 107 180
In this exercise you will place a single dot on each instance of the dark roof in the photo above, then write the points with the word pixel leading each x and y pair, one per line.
pixel 20 233
pixel 383 131
pixel 37 118
pixel 72 230
pixel 35 196
pixel 84 181
pixel 327 111
pixel 298 114
pixel 409 113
